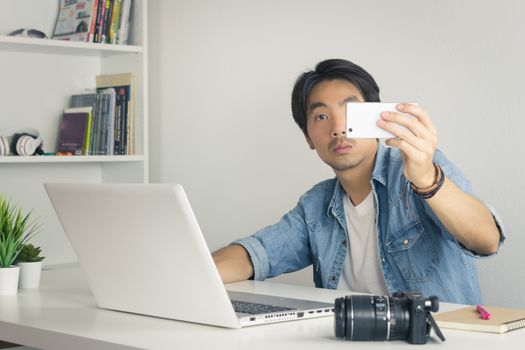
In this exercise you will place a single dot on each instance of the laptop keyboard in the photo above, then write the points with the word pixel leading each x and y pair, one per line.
pixel 255 309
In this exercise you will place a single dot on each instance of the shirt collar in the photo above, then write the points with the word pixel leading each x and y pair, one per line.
pixel 381 165
pixel 379 174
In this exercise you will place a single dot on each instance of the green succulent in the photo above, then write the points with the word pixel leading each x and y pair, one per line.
pixel 15 230
pixel 30 253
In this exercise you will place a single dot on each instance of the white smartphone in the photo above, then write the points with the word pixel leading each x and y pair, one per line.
pixel 361 119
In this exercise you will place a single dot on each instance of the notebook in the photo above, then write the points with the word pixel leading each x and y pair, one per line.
pixel 502 319
pixel 142 251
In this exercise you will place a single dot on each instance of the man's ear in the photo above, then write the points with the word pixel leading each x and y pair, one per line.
pixel 310 143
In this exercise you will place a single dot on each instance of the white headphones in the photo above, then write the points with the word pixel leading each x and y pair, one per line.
pixel 4 146
pixel 23 143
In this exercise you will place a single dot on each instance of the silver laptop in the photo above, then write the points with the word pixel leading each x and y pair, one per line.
pixel 142 251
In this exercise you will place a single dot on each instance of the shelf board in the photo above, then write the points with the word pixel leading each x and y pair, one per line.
pixel 63 47
pixel 70 159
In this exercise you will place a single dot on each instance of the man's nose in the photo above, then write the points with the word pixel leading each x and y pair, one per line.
pixel 339 128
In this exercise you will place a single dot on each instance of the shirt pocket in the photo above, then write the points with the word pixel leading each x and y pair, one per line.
pixel 414 253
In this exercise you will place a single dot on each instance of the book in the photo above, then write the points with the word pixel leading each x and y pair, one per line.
pixel 123 27
pixel 107 20
pixel 115 21
pixel 107 134
pixel 91 35
pixel 74 131
pixel 502 319
pixel 124 123
pixel 74 20
pixel 98 20
pixel 123 93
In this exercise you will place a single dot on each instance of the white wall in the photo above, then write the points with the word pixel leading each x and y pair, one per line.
pixel 221 74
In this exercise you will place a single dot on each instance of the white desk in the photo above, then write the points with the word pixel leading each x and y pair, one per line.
pixel 62 315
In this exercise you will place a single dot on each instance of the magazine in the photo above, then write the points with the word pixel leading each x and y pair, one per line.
pixel 74 21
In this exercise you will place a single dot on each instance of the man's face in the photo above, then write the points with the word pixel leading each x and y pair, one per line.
pixel 325 121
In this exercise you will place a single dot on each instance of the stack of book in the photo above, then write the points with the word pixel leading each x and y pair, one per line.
pixel 110 127
pixel 97 21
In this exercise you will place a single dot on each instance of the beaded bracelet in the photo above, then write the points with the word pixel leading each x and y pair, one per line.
pixel 435 187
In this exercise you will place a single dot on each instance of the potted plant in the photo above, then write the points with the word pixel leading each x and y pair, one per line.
pixel 15 231
pixel 30 263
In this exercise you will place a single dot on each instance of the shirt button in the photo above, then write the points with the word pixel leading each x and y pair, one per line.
pixel 333 278
pixel 405 242
pixel 343 242
pixel 383 259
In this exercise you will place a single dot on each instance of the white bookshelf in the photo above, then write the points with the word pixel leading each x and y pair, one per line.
pixel 71 159
pixel 38 77
pixel 23 44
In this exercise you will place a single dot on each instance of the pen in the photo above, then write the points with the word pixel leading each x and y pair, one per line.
pixel 483 313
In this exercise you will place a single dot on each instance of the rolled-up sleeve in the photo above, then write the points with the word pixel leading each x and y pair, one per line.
pixel 279 248
pixel 499 225
pixel 257 252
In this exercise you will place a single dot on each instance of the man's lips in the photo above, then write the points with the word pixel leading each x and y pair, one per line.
pixel 342 148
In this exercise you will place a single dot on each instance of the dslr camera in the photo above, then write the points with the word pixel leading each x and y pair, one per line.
pixel 403 315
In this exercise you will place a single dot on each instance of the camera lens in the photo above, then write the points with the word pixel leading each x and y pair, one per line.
pixel 340 317
pixel 363 317
pixel 399 319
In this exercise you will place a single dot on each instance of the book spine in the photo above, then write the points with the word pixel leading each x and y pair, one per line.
pixel 124 22
pixel 119 110
pixel 110 120
pixel 129 131
pixel 103 21
pixel 94 12
pixel 125 115
pixel 103 103
pixel 87 136
pixel 114 124
pixel 98 23
pixel 115 21
pixel 94 121
pixel 130 112
pixel 117 131
pixel 107 19
pixel 119 26
pixel 117 117
pixel 131 121
pixel 111 135
pixel 103 129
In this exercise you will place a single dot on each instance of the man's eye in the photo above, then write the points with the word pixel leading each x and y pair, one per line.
pixel 321 117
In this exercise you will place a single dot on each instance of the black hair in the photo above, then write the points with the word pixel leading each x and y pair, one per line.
pixel 329 70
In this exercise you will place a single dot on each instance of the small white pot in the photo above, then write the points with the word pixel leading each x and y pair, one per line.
pixel 9 280
pixel 30 274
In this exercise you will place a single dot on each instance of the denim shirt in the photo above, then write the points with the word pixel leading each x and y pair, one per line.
pixel 416 251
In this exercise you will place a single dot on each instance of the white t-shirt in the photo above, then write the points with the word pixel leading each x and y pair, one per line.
pixel 362 270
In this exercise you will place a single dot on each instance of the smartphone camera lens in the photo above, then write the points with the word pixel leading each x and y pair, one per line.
pixel 350 130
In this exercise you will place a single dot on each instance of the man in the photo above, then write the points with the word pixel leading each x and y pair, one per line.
pixel 395 218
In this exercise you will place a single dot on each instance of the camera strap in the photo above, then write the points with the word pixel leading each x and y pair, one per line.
pixel 434 326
